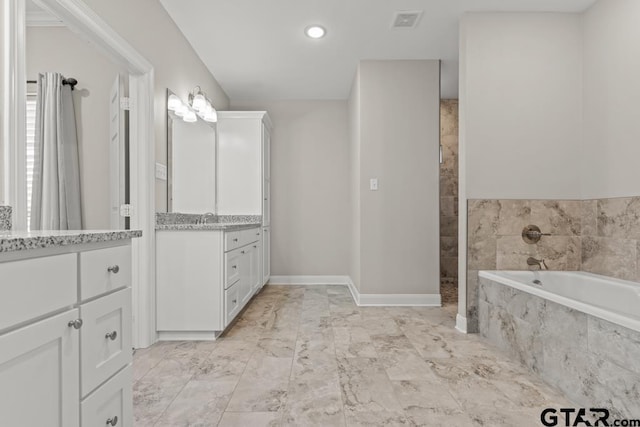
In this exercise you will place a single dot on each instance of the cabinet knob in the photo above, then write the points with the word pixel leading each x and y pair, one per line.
pixel 234 301
pixel 111 335
pixel 114 269
pixel 235 240
pixel 76 324
pixel 241 252
pixel 255 246
pixel 257 234
pixel 234 266
pixel 112 421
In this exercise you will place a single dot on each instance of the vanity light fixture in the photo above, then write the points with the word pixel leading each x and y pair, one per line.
pixel 315 31
pixel 173 103
pixel 190 117
pixel 202 105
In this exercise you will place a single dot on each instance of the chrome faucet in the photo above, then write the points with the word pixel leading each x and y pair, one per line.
pixel 539 262
pixel 204 217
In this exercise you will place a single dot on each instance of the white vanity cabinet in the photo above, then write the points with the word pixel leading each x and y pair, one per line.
pixel 58 362
pixel 244 169
pixel 204 279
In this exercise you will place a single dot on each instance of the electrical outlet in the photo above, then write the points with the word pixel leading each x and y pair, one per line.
pixel 161 171
pixel 373 184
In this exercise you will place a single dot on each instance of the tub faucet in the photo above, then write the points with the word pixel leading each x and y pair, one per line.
pixel 539 262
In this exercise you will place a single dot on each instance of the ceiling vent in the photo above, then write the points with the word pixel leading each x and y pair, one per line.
pixel 406 19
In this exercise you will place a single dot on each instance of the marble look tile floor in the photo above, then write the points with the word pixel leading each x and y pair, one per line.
pixel 308 356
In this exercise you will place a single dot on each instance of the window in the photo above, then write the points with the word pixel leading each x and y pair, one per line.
pixel 30 150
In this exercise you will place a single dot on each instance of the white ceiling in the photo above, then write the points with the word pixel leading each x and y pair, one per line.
pixel 256 49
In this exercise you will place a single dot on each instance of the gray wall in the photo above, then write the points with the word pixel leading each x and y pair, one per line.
pixel 399 140
pixel 611 92
pixel 309 191
pixel 176 65
pixel 354 179
pixel 522 76
pixel 59 49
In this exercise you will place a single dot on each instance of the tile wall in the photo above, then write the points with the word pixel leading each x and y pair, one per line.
pixel 598 236
pixel 449 198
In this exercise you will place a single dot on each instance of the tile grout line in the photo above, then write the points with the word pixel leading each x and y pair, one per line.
pixel 177 394
pixel 244 370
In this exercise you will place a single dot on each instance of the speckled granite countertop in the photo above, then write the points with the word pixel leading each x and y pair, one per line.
pixel 179 221
pixel 225 226
pixel 11 241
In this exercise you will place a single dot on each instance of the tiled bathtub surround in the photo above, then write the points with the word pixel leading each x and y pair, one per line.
pixel 611 237
pixel 495 242
pixel 449 195
pixel 5 218
pixel 594 362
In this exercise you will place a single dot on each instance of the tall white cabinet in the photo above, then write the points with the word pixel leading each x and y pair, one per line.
pixel 244 172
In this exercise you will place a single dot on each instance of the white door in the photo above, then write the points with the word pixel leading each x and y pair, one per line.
pixel 117 154
pixel 39 375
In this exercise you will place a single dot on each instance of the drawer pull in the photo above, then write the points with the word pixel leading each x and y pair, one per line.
pixel 241 252
pixel 257 234
pixel 235 267
pixel 234 301
pixel 114 269
pixel 255 246
pixel 111 336
pixel 235 240
pixel 76 324
pixel 112 421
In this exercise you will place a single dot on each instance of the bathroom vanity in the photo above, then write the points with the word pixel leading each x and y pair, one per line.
pixel 65 328
pixel 206 274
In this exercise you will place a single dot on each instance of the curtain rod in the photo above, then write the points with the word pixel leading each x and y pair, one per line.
pixel 70 81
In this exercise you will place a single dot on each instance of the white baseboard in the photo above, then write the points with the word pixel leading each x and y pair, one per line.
pixel 309 280
pixel 420 300
pixel 461 323
pixel 187 336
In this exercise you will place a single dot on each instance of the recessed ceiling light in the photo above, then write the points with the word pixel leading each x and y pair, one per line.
pixel 315 31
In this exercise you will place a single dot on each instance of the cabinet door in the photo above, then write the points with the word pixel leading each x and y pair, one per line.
pixel 245 274
pixel 39 375
pixel 266 255
pixel 256 266
pixel 266 204
pixel 266 152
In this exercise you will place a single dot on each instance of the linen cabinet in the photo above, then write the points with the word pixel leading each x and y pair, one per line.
pixel 244 171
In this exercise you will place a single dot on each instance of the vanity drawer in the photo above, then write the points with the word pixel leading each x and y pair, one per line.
pixel 231 303
pixel 231 240
pixel 111 404
pixel 232 267
pixel 35 287
pixel 249 236
pixel 104 270
pixel 105 338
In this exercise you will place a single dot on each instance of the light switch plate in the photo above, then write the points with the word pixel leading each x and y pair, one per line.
pixel 161 171
pixel 373 184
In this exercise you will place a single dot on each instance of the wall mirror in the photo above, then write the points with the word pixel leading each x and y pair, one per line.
pixel 191 160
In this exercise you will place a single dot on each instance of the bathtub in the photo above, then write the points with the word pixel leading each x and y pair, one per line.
pixel 614 300
pixel 579 332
